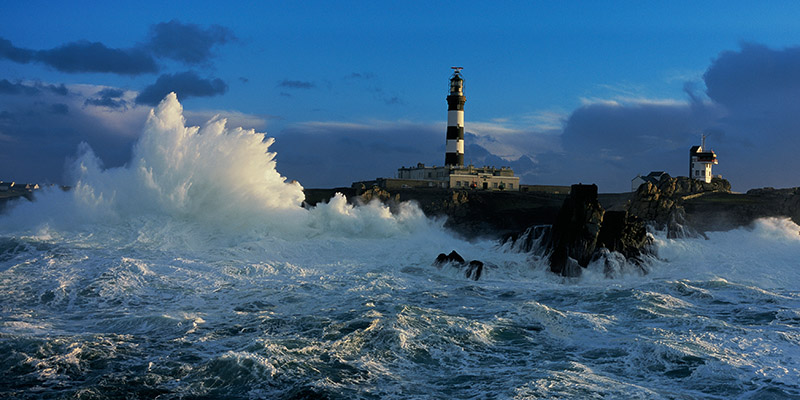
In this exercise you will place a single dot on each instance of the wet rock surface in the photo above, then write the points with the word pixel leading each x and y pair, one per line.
pixel 583 228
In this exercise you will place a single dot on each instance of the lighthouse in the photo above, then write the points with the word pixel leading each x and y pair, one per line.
pixel 454 150
pixel 700 162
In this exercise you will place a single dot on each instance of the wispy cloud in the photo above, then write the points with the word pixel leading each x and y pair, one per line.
pixel 295 84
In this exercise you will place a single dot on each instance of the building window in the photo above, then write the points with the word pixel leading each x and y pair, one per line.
pixel 494 185
pixel 510 185
pixel 458 183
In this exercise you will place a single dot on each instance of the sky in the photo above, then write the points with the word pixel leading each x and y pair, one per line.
pixel 563 92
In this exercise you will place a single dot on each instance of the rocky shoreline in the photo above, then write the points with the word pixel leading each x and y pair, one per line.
pixel 573 230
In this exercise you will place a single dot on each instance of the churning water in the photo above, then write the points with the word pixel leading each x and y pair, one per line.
pixel 194 272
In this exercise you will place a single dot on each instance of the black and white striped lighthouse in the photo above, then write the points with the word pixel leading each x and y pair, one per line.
pixel 454 155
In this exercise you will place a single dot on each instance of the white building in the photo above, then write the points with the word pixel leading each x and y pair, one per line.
pixel 461 177
pixel 701 159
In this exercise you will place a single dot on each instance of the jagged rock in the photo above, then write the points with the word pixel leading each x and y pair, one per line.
pixel 453 257
pixel 584 232
pixel 380 194
pixel 662 204
pixel 574 235
pixel 474 270
pixel 623 233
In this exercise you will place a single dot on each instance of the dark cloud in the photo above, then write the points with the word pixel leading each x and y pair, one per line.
pixel 60 89
pixel 85 56
pixel 15 54
pixel 59 109
pixel 187 43
pixel 335 154
pixel 751 116
pixel 290 84
pixel 39 132
pixel 184 84
pixel 109 98
pixel 755 76
pixel 7 87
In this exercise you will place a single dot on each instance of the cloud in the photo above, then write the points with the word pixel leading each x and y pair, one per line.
pixel 41 130
pixel 325 154
pixel 755 76
pixel 59 109
pixel 83 56
pixel 187 43
pixel 15 54
pixel 360 75
pixel 184 84
pixel 751 112
pixel 108 97
pixel 9 88
pixel 290 84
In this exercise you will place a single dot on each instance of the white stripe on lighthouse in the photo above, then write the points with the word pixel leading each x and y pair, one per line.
pixel 455 118
pixel 455 146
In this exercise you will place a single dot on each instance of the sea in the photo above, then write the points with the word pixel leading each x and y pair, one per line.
pixel 195 272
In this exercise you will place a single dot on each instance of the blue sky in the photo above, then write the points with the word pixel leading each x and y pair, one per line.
pixel 563 92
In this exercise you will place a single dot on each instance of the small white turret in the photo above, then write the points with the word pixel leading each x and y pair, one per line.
pixel 700 161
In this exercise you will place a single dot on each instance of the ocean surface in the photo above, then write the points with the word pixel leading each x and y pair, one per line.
pixel 194 272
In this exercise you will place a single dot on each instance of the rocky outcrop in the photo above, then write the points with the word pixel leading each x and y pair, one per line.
pixel 583 228
pixel 662 204
pixel 574 234
pixel 376 193
pixel 473 269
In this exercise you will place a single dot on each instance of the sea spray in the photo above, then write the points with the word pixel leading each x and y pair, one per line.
pixel 213 176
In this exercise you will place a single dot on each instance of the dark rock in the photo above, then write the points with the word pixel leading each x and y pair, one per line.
pixel 474 270
pixel 453 257
pixel 623 233
pixel 584 232
pixel 574 235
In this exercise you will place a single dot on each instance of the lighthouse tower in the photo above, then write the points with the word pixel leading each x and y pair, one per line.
pixel 700 162
pixel 454 155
